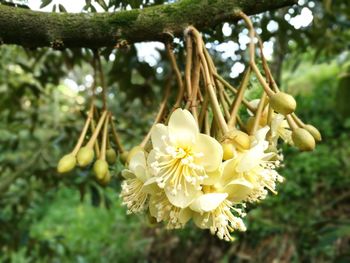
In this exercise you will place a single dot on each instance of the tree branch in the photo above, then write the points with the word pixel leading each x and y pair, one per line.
pixel 37 29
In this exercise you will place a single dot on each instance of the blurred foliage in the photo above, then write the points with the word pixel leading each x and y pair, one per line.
pixel 45 217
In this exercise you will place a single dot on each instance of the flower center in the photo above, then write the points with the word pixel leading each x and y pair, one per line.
pixel 133 196
pixel 176 167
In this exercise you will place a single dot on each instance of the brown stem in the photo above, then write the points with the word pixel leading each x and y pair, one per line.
pixel 104 138
pixel 117 140
pixel 252 54
pixel 97 131
pixel 181 89
pixel 238 99
pixel 210 86
pixel 258 114
pixel 83 132
pixel 160 113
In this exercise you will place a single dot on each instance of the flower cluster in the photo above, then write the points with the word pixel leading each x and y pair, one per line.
pixel 205 158
pixel 206 163
pixel 183 176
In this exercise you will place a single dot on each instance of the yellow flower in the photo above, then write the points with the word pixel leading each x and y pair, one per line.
pixel 161 209
pixel 215 212
pixel 255 166
pixel 134 193
pixel 182 159
pixel 280 129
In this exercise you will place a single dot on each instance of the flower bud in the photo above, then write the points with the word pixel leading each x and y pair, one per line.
pixel 314 132
pixel 228 149
pixel 283 103
pixel 124 157
pixel 303 139
pixel 111 156
pixel 106 179
pixel 100 169
pixel 240 140
pixel 85 156
pixel 133 151
pixel 67 163
pixel 251 120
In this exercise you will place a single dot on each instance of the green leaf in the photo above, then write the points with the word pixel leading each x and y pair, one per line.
pixel 45 3
pixel 62 9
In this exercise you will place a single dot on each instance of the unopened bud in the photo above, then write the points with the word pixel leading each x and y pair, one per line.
pixel 303 139
pixel 100 169
pixel 283 103
pixel 85 156
pixel 67 163
pixel 133 151
pixel 106 179
pixel 240 140
pixel 124 157
pixel 228 149
pixel 111 156
pixel 314 132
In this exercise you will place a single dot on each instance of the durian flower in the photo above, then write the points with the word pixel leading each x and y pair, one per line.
pixel 215 212
pixel 182 159
pixel 164 211
pixel 280 129
pixel 255 166
pixel 134 193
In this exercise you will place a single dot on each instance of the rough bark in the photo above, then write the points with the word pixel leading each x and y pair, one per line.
pixel 36 29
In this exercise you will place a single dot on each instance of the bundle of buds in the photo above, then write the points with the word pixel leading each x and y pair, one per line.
pixel 205 162
pixel 98 143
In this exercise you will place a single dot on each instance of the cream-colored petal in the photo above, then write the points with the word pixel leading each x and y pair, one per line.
pixel 182 198
pixel 261 134
pixel 252 158
pixel 199 221
pixel 159 136
pixel 209 152
pixel 183 128
pixel 208 202
pixel 127 174
pixel 152 207
pixel 229 172
pixel 213 177
pixel 238 190
pixel 151 186
pixel 141 173
pixel 185 215
pixel 138 159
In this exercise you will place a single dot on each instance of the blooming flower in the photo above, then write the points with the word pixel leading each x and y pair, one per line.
pixel 280 129
pixel 161 209
pixel 255 166
pixel 182 159
pixel 134 193
pixel 215 212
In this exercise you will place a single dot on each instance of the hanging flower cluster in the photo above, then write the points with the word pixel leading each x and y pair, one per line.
pixel 208 156
pixel 206 162
pixel 98 147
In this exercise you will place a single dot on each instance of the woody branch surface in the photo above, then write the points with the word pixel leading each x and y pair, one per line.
pixel 38 29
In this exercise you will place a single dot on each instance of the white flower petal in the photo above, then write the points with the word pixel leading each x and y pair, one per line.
pixel 198 219
pixel 141 173
pixel 229 172
pixel 185 215
pixel 238 190
pixel 208 202
pixel 183 128
pixel 213 177
pixel 150 186
pixel 127 174
pixel 138 159
pixel 181 198
pixel 159 135
pixel 210 152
